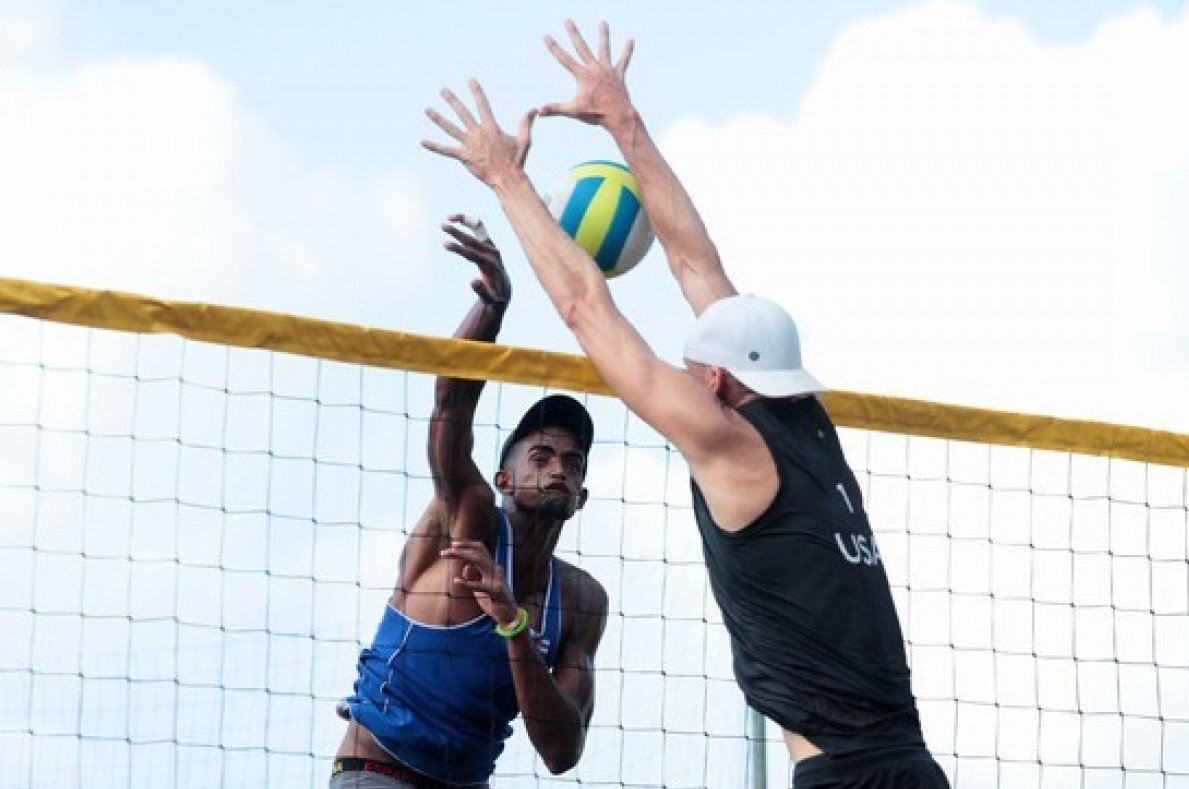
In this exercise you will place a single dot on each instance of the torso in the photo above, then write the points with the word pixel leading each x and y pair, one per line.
pixel 814 632
pixel 404 624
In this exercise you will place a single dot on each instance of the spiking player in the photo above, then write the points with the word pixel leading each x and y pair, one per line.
pixel 484 621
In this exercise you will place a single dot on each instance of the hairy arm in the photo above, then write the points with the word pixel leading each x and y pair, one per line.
pixel 667 398
pixel 648 386
pixel 602 99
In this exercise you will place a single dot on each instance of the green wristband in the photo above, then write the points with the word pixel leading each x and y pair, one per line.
pixel 516 628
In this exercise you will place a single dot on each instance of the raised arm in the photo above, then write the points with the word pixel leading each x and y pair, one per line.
pixel 602 100
pixel 462 492
pixel 577 288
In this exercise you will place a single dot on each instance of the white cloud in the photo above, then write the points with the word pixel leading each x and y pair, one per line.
pixel 27 29
pixel 962 213
pixel 150 174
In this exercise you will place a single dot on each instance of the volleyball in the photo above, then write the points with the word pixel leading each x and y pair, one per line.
pixel 598 204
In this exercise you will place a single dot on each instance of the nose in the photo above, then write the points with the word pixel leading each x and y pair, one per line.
pixel 556 470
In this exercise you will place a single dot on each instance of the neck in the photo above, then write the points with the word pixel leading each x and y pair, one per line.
pixel 534 540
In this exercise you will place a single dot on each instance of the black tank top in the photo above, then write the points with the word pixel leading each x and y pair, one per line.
pixel 814 633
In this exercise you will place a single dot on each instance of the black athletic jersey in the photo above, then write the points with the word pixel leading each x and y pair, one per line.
pixel 814 633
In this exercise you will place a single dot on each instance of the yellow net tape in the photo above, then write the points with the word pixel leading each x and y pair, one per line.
pixel 351 343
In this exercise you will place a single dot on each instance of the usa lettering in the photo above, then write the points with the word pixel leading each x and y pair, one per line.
pixel 858 548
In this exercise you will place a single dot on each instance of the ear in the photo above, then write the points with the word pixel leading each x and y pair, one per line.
pixel 582 496
pixel 503 480
pixel 719 381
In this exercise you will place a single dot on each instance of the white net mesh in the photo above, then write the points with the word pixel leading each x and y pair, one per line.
pixel 195 541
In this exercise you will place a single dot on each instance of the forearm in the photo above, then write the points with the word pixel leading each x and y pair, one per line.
pixel 565 271
pixel 482 323
pixel 554 723
pixel 691 254
pixel 579 292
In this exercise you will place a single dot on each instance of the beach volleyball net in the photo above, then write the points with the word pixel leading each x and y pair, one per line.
pixel 202 510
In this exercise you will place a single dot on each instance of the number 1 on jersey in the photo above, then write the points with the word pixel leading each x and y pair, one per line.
pixel 845 498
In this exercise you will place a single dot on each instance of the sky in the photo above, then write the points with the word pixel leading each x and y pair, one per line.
pixel 976 202
pixel 969 202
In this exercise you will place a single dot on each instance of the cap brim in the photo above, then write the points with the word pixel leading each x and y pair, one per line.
pixel 779 383
pixel 554 411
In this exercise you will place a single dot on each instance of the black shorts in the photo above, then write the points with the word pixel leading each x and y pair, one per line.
pixel 913 770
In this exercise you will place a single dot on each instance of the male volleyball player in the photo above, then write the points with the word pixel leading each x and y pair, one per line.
pixel 792 561
pixel 484 621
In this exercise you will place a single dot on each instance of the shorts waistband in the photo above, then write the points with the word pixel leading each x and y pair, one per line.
pixel 351 764
pixel 843 766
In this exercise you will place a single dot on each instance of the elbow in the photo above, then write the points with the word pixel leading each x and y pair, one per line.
pixel 571 311
pixel 560 763
pixel 563 754
pixel 586 308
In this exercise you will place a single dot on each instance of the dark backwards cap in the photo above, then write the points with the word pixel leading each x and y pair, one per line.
pixel 553 411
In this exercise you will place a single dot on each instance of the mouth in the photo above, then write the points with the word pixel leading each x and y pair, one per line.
pixel 559 487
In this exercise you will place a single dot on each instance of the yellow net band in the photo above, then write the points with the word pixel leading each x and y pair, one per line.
pixel 351 343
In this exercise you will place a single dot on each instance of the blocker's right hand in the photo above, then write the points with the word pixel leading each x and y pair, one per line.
pixel 492 286
pixel 487 151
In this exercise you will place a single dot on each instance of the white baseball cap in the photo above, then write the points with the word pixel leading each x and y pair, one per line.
pixel 756 341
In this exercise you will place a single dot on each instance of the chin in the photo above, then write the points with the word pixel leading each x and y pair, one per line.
pixel 551 504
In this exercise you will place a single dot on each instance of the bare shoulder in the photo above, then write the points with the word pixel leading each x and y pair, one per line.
pixel 584 600
pixel 698 423
pixel 738 477
pixel 581 586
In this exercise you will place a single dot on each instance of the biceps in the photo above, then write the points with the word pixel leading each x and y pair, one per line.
pixel 451 427
pixel 700 274
pixel 471 515
pixel 454 471
pixel 677 406
pixel 574 675
pixel 703 288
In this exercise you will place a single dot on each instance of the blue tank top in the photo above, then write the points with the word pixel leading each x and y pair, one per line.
pixel 441 698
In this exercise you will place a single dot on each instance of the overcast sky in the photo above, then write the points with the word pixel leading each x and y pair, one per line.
pixel 972 202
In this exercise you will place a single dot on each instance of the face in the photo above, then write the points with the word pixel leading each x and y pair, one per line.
pixel 543 474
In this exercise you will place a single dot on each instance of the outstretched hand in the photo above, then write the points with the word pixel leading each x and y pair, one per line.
pixel 602 90
pixel 492 285
pixel 482 577
pixel 487 151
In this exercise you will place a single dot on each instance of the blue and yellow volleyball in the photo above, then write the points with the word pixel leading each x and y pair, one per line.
pixel 598 205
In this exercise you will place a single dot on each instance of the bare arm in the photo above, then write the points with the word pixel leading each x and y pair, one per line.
pixel 556 705
pixel 671 401
pixel 457 479
pixel 602 99
pixel 463 501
